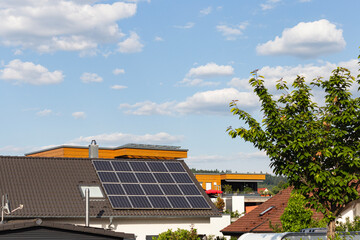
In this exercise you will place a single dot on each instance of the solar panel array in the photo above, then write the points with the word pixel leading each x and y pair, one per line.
pixel 148 185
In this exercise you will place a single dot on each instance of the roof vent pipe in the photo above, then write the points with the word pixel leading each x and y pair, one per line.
pixel 93 150
pixel 87 201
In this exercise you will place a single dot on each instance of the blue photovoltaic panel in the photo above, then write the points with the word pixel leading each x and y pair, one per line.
pixel 163 177
pixel 114 189
pixel 139 166
pixel 159 202
pixel 198 202
pixel 133 189
pixel 171 189
pixel 126 177
pixel 189 189
pixel 120 202
pixel 157 167
pixel 108 177
pixel 145 177
pixel 174 167
pixel 103 166
pixel 121 166
pixel 179 202
pixel 152 189
pixel 140 202
pixel 181 177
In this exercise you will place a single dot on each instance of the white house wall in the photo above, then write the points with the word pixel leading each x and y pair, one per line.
pixel 142 227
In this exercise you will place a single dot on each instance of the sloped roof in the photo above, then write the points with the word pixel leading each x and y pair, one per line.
pixel 49 188
pixel 258 219
pixel 24 224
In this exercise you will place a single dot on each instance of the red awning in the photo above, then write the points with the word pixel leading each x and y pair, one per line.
pixel 212 191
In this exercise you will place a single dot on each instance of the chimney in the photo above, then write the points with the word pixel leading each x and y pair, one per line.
pixel 93 150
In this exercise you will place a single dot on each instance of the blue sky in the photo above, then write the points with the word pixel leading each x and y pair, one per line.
pixel 159 71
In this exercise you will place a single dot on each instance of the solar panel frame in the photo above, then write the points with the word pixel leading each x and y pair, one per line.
pixel 121 166
pixel 171 189
pixel 164 178
pixel 152 189
pixel 133 189
pixel 139 167
pixel 108 177
pixel 198 202
pixel 102 166
pixel 174 167
pixel 182 177
pixel 114 189
pixel 157 167
pixel 179 202
pixel 145 177
pixel 120 202
pixel 140 202
pixel 190 189
pixel 127 177
pixel 160 202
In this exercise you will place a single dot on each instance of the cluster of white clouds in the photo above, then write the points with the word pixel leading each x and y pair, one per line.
pixel 269 4
pixel 232 32
pixel 90 77
pixel 118 138
pixel 306 40
pixel 47 26
pixel 19 72
pixel 79 115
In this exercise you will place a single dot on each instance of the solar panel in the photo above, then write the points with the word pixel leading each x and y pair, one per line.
pixel 108 177
pixel 140 202
pixel 174 167
pixel 181 177
pixel 159 202
pixel 170 189
pixel 145 177
pixel 139 166
pixel 133 189
pixel 198 202
pixel 189 189
pixel 103 166
pixel 126 177
pixel 157 167
pixel 179 202
pixel 120 202
pixel 121 166
pixel 163 177
pixel 149 184
pixel 114 189
pixel 152 189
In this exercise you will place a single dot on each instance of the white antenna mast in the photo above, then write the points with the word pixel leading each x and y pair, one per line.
pixel 6 208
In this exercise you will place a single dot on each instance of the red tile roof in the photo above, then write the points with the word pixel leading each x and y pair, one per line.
pixel 254 222
pixel 49 188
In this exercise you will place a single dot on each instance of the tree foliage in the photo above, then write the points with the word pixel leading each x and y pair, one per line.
pixel 314 146
pixel 179 234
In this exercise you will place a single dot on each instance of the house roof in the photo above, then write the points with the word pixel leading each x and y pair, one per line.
pixel 30 223
pixel 50 188
pixel 258 219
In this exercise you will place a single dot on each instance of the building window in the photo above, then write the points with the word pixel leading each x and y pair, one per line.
pixel 95 191
pixel 208 185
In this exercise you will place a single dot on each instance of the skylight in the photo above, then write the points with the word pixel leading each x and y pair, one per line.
pixel 95 191
pixel 267 210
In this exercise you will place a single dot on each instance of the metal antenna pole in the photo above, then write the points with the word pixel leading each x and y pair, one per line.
pixel 2 209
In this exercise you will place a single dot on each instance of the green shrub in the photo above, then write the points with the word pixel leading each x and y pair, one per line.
pixel 179 234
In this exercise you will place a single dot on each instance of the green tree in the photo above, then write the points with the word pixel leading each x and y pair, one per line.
pixel 220 203
pixel 315 147
pixel 296 216
pixel 179 234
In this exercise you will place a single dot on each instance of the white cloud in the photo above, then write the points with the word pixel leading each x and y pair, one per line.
pixel 158 39
pixel 211 70
pixel 289 73
pixel 27 72
pixel 48 26
pixel 205 11
pixel 197 82
pixel 231 32
pixel 44 113
pixel 90 77
pixel 117 138
pixel 118 87
pixel 208 102
pixel 131 45
pixel 186 26
pixel 269 4
pixel 306 39
pixel 118 71
pixel 79 115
